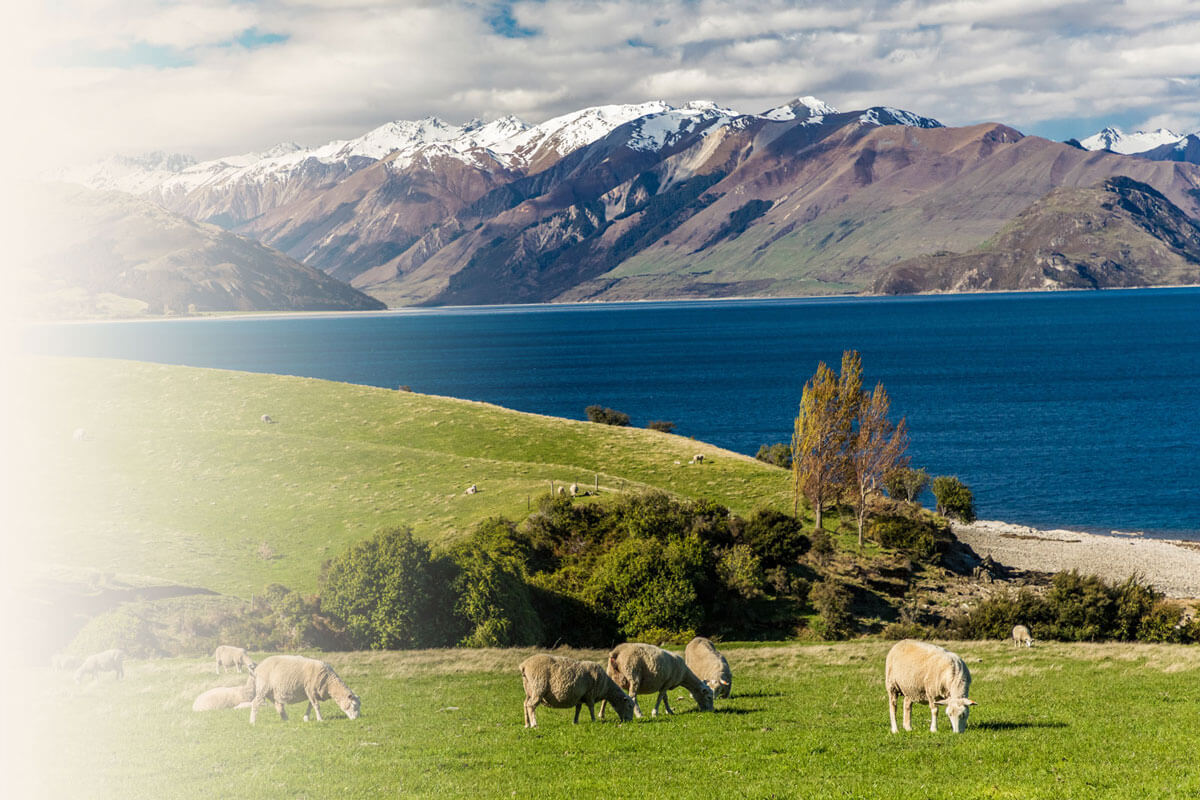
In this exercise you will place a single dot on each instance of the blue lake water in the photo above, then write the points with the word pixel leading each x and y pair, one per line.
pixel 1077 409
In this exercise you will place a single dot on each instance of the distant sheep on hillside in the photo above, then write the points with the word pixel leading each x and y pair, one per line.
pixel 1021 636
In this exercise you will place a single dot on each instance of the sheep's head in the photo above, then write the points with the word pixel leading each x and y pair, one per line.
pixel 250 665
pixel 624 707
pixel 351 705
pixel 704 697
pixel 958 709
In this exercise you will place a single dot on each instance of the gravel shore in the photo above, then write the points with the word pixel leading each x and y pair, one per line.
pixel 1172 566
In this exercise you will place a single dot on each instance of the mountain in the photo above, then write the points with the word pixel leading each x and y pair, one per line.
pixel 1117 233
pixel 644 200
pixel 1186 149
pixel 100 253
pixel 1129 143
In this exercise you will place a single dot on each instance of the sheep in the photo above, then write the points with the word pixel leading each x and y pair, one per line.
pixel 60 662
pixel 559 682
pixel 290 679
pixel 697 459
pixel 472 489
pixel 1021 636
pixel 108 660
pixel 226 697
pixel 644 668
pixel 925 672
pixel 267 419
pixel 230 657
pixel 703 658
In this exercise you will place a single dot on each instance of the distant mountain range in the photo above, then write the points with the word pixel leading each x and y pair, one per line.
pixel 651 200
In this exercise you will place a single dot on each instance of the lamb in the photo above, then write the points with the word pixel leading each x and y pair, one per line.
pixel 108 660
pixel 924 672
pixel 710 666
pixel 226 697
pixel 230 657
pixel 1021 636
pixel 644 668
pixel 559 682
pixel 290 679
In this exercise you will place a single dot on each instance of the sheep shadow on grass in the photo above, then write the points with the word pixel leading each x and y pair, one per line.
pixel 1005 725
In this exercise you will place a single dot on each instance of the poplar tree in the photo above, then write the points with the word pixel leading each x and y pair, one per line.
pixel 877 449
pixel 822 434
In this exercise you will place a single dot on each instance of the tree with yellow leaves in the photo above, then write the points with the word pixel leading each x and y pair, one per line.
pixel 823 433
pixel 877 448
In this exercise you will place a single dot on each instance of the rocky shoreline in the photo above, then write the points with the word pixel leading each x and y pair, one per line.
pixel 1172 566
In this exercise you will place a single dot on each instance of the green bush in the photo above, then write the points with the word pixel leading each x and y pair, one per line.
pixel 661 425
pixel 906 484
pixel 493 596
pixel 390 593
pixel 740 571
pixel 776 538
pixel 822 545
pixel 778 454
pixel 920 540
pixel 649 585
pixel 606 416
pixel 953 497
pixel 831 599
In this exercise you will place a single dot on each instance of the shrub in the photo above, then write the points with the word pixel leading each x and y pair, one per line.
pixel 391 594
pixel 904 630
pixel 779 454
pixel 906 484
pixel 920 540
pixel 648 585
pixel 606 416
pixel 661 425
pixel 740 571
pixel 822 545
pixel 954 499
pixel 775 537
pixel 831 599
pixel 493 596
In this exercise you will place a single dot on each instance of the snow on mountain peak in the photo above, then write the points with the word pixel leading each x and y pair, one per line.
pixel 657 130
pixel 1116 140
pixel 886 115
pixel 800 108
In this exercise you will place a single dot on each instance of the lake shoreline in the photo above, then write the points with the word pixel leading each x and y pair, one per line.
pixel 1171 565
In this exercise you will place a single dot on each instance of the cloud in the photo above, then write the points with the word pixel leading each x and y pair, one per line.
pixel 239 76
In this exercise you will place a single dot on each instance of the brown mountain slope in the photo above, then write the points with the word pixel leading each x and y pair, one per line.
pixel 1119 233
pixel 761 208
pixel 106 253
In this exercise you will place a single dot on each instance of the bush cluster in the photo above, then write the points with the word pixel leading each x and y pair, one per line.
pixel 779 454
pixel 646 566
pixel 606 416
pixel 953 497
pixel 1082 608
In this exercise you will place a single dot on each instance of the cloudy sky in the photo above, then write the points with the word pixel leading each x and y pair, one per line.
pixel 213 77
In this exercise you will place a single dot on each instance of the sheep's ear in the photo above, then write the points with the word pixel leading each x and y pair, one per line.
pixel 968 701
pixel 724 683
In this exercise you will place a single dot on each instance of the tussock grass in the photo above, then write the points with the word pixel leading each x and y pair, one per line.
pixel 1060 720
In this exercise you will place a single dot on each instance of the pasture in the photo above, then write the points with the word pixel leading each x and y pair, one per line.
pixel 806 720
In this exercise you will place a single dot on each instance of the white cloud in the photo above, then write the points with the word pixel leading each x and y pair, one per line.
pixel 347 67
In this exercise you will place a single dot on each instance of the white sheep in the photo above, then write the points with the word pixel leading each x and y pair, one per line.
pixel 924 672
pixel 267 419
pixel 290 679
pixel 644 668
pixel 106 661
pixel 704 659
pixel 1021 636
pixel 559 682
pixel 229 657
pixel 472 489
pixel 226 697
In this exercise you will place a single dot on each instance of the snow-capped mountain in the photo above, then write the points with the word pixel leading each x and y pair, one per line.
pixel 800 108
pixel 1118 141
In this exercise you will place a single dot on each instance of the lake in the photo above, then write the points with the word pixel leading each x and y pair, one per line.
pixel 1071 409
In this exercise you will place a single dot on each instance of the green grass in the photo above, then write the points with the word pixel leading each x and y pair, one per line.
pixel 178 480
pixel 1057 721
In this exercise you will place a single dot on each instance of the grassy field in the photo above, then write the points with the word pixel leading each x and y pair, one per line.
pixel 177 479
pixel 1058 721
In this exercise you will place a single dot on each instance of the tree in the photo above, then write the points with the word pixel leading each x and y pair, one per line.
pixel 876 449
pixel 779 454
pixel 953 497
pixel 661 425
pixel 492 589
pixel 904 483
pixel 606 416
pixel 828 406
pixel 391 593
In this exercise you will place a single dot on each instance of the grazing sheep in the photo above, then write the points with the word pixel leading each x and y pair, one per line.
pixel 290 679
pixel 704 659
pixel 559 682
pixel 108 660
pixel 267 419
pixel 1021 636
pixel 230 657
pixel 226 697
pixel 697 459
pixel 472 489
pixel 574 490
pixel 644 668
pixel 924 672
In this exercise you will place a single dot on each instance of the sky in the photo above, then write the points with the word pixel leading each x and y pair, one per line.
pixel 214 77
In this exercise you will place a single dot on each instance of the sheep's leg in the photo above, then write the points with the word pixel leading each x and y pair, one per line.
pixel 282 711
pixel 254 704
pixel 603 707
pixel 932 717
pixel 892 709
pixel 907 713
pixel 666 701
pixel 120 671
pixel 530 717
pixel 591 704
pixel 578 708
pixel 633 692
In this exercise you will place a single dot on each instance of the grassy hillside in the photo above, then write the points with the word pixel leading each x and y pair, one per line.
pixel 177 478
pixel 1095 721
